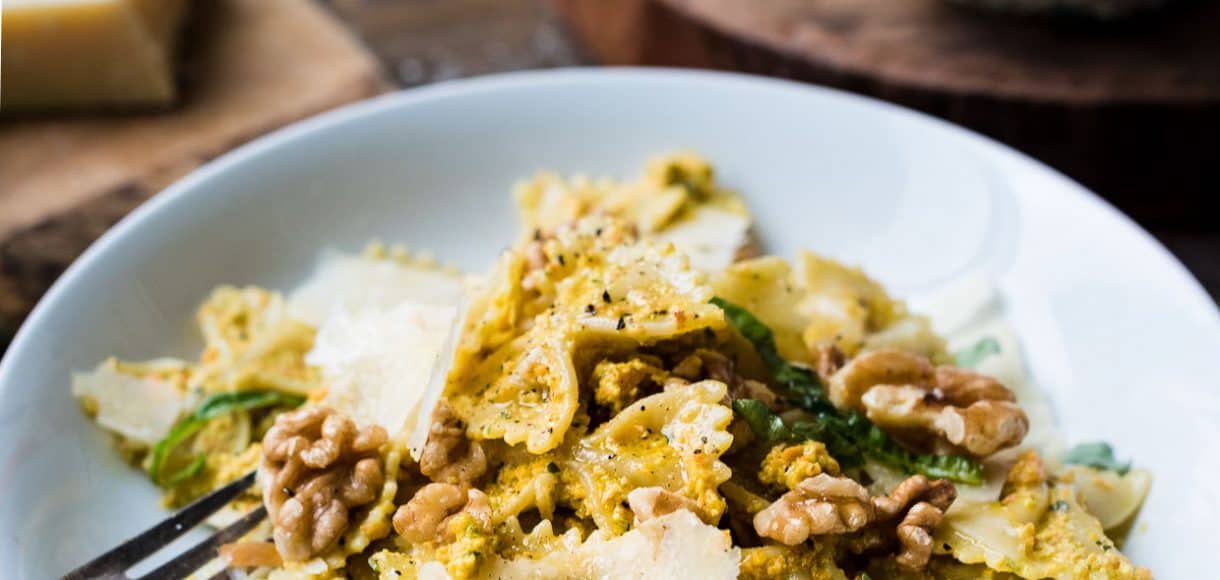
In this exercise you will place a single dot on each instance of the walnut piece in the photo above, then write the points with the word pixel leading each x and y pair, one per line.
pixel 928 501
pixel 317 466
pixel 706 364
pixel 448 456
pixel 933 408
pixel 820 505
pixel 653 502
pixel 825 504
pixel 426 517
pixel 828 359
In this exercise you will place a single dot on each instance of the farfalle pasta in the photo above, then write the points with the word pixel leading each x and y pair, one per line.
pixel 632 391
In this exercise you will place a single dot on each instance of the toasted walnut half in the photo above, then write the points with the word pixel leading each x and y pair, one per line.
pixel 824 505
pixel 317 466
pixel 426 517
pixel 924 503
pixel 936 408
pixel 448 456
pixel 708 364
pixel 827 360
pixel 820 505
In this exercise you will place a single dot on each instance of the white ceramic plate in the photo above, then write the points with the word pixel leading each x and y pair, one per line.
pixel 1124 340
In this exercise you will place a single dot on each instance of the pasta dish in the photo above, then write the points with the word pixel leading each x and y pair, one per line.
pixel 634 390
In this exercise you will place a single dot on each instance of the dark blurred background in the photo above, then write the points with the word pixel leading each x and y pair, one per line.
pixel 1128 104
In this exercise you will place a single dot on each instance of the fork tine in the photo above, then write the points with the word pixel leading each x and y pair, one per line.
pixel 114 562
pixel 205 551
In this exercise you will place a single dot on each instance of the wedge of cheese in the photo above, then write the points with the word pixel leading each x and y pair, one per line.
pixel 81 53
pixel 386 335
pixel 378 363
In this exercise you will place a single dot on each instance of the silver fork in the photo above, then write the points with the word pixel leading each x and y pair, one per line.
pixel 115 563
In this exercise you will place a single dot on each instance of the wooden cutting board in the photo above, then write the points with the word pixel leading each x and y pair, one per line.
pixel 1131 108
pixel 250 66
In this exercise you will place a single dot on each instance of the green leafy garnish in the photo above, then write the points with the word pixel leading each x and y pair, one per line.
pixel 191 470
pixel 951 467
pixel 850 437
pixel 799 381
pixel 762 421
pixel 971 356
pixel 1098 455
pixel 211 408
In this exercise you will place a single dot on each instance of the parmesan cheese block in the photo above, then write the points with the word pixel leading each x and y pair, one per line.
pixel 672 547
pixel 348 282
pixel 711 236
pixel 78 53
pixel 141 409
pixel 386 334
pixel 378 363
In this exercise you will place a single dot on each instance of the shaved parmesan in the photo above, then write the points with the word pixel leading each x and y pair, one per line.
pixel 420 420
pixel 709 235
pixel 377 363
pixel 674 546
pixel 346 282
pixel 1112 498
pixel 139 408
pixel 967 300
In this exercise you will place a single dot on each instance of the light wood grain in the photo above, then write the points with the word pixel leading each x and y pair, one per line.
pixel 252 66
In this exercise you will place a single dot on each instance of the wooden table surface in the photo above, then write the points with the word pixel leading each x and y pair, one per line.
pixel 425 41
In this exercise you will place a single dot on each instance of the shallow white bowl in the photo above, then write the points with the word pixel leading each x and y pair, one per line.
pixel 1124 340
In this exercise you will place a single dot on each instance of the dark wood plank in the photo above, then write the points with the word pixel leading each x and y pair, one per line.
pixel 1131 110
pixel 1200 252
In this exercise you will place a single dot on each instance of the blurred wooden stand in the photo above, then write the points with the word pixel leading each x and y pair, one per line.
pixel 1131 109
pixel 250 66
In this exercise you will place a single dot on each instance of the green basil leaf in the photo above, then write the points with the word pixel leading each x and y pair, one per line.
pixel 187 472
pixel 214 406
pixel 800 382
pixel 951 467
pixel 183 430
pixel 762 421
pixel 225 403
pixel 883 449
pixel 971 356
pixel 1098 455
pixel 838 434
